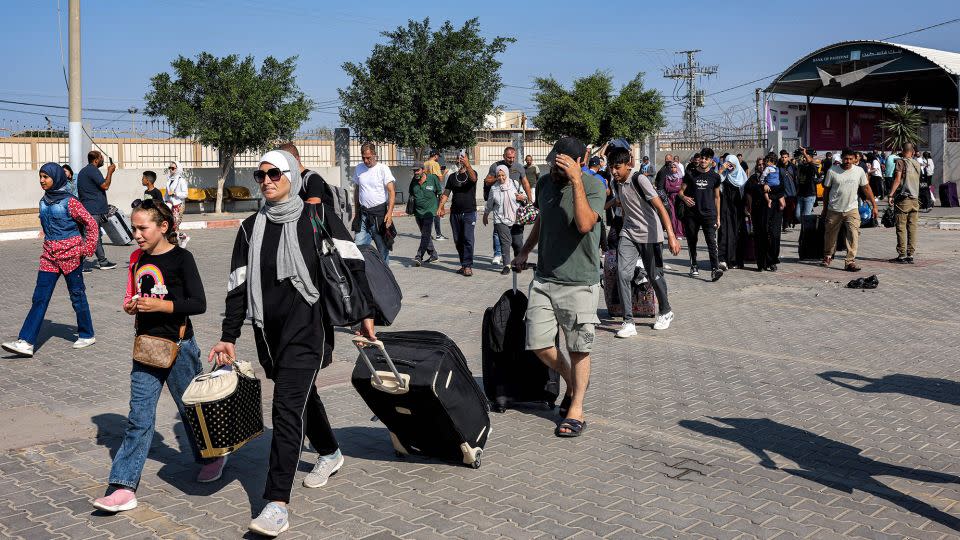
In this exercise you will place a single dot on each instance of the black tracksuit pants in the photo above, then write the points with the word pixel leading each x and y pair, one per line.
pixel 297 411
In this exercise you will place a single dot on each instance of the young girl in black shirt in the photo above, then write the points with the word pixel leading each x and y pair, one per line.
pixel 163 290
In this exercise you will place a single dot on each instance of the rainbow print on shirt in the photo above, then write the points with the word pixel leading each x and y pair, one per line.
pixel 150 281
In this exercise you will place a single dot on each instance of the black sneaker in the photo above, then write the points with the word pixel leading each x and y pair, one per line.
pixel 505 271
pixel 909 260
pixel 899 259
pixel 716 274
pixel 106 265
pixel 772 268
pixel 417 261
pixel 694 271
pixel 433 258
pixel 87 269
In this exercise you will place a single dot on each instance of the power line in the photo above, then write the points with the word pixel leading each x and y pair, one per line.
pixel 944 23
pixel 44 105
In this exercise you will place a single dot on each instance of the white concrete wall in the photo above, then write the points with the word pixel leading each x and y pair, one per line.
pixel 21 189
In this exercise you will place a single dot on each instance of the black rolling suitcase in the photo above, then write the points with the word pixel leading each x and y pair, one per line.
pixel 811 238
pixel 418 384
pixel 512 374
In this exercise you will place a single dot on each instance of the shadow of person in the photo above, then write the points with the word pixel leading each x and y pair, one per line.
pixel 179 469
pixel 942 390
pixel 831 463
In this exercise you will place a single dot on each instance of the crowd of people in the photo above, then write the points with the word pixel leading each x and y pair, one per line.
pixel 585 203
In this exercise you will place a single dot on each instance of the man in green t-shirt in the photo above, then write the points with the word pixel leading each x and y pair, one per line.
pixel 425 191
pixel 566 285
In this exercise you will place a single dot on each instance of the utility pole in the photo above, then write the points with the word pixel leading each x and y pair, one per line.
pixel 76 104
pixel 759 121
pixel 690 73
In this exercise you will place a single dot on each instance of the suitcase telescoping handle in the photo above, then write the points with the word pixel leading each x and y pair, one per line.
pixel 515 272
pixel 362 343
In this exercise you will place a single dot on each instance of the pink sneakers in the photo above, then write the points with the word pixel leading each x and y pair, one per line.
pixel 212 471
pixel 118 501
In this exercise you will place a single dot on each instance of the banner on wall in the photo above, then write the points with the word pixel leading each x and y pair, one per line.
pixel 787 117
pixel 828 127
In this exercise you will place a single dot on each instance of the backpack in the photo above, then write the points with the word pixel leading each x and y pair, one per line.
pixel 341 199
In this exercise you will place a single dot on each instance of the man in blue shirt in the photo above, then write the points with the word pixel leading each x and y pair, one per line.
pixel 92 191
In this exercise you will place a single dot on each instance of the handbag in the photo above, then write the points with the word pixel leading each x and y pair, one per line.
pixel 155 351
pixel 411 205
pixel 888 219
pixel 223 409
pixel 341 273
pixel 527 214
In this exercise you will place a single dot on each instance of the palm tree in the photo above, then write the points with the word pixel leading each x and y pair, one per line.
pixel 902 125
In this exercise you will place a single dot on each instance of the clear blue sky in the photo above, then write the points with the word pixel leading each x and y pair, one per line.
pixel 126 42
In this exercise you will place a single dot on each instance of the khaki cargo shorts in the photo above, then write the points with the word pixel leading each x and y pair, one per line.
pixel 572 307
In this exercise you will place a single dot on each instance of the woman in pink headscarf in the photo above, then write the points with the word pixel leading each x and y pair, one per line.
pixel 672 182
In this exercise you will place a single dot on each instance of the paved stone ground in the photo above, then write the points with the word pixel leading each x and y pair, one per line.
pixel 777 405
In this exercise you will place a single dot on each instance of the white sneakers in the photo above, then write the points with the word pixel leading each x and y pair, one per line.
pixel 23 348
pixel 84 342
pixel 497 261
pixel 628 329
pixel 183 241
pixel 663 321
pixel 326 467
pixel 19 347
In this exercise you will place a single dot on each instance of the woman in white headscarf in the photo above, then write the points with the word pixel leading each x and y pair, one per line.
pixel 731 213
pixel 503 203
pixel 177 189
pixel 273 283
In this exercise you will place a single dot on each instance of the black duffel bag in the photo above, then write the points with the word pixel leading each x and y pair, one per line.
pixel 342 277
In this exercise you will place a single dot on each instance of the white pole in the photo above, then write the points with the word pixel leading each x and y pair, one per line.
pixel 77 156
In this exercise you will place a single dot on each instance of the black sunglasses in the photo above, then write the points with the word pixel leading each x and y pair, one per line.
pixel 274 174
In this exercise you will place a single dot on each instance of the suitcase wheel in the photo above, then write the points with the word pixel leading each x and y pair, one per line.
pixel 476 462
pixel 499 408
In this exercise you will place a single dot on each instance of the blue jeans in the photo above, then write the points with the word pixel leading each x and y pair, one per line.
pixel 367 234
pixel 805 206
pixel 145 385
pixel 46 283
pixel 497 248
pixel 462 225
pixel 436 224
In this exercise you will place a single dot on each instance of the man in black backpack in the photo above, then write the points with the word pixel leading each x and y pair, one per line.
pixel 315 188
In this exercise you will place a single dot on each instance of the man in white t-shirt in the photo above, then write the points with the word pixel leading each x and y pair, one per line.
pixel 840 189
pixel 374 201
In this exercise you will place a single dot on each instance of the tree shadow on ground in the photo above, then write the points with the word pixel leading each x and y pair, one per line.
pixel 942 390
pixel 828 462
pixel 248 465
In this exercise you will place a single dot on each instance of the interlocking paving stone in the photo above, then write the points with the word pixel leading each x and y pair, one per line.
pixel 778 405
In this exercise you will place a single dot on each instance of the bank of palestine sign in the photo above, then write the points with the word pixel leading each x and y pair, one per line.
pixel 849 64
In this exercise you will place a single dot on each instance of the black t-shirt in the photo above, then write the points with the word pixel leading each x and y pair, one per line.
pixel 316 186
pixel 170 276
pixel 807 180
pixel 152 194
pixel 700 186
pixel 463 193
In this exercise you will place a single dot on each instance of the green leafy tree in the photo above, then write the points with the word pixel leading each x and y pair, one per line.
pixel 230 104
pixel 592 112
pixel 902 124
pixel 424 88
